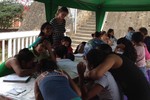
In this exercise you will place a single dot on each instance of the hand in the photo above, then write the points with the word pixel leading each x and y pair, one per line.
pixel 47 45
pixel 81 67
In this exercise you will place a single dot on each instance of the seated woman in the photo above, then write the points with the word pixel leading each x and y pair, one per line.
pixel 21 64
pixel 53 84
pixel 131 79
pixel 105 87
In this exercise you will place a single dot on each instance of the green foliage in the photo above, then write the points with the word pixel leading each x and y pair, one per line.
pixel 8 11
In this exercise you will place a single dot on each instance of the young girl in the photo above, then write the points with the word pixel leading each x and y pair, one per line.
pixel 53 84
pixel 58 24
pixel 66 41
pixel 21 64
pixel 80 48
pixel 105 87
pixel 132 81
pixel 42 50
pixel 46 33
pixel 137 39
pixel 126 47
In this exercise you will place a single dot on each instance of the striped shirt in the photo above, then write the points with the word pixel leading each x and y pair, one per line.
pixel 59 30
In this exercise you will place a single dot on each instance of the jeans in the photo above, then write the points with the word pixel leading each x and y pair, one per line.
pixel 144 70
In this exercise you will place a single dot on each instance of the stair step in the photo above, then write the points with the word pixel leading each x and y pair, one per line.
pixel 83 35
pixel 87 28
pixel 79 41
pixel 85 31
pixel 90 25
pixel 80 37
pixel 90 22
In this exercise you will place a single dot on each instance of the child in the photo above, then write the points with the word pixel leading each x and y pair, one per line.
pixel 80 48
pixel 112 38
pixel 46 33
pixel 65 63
pixel 58 24
pixel 105 87
pixel 66 41
pixel 42 50
pixel 131 80
pixel 21 64
pixel 125 47
pixel 137 39
pixel 53 84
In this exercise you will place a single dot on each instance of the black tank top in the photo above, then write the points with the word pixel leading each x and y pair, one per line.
pixel 132 81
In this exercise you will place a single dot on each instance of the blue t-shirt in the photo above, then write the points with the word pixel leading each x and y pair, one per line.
pixel 92 44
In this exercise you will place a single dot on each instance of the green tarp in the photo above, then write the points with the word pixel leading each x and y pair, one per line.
pixel 98 6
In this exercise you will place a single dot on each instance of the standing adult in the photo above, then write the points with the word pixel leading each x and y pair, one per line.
pixel 58 23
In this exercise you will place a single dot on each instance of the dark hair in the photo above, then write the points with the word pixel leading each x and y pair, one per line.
pixel 97 34
pixel 44 25
pixel 103 32
pixel 143 30
pixel 109 31
pixel 68 39
pixel 80 50
pixel 47 65
pixel 105 47
pixel 129 50
pixel 62 9
pixel 96 57
pixel 131 28
pixel 24 55
pixel 70 56
pixel 61 51
pixel 93 35
pixel 137 37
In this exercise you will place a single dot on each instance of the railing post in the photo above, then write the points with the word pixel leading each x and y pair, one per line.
pixel 27 40
pixel 30 40
pixel 18 44
pixel 3 50
pixel 14 47
pixel 22 43
pixel 9 48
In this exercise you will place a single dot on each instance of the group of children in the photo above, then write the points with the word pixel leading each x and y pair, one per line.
pixel 106 74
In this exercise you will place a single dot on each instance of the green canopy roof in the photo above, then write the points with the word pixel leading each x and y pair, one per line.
pixel 99 6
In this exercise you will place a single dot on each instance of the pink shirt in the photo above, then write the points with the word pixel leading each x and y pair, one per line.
pixel 147 54
pixel 140 61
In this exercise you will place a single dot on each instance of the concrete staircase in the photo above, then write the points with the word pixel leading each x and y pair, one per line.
pixel 84 32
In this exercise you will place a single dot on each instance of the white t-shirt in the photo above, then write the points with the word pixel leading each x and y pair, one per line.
pixel 111 88
pixel 68 66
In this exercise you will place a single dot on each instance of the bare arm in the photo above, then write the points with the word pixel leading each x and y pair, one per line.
pixel 38 95
pixel 73 85
pixel 99 71
pixel 19 71
pixel 93 92
pixel 87 95
pixel 49 48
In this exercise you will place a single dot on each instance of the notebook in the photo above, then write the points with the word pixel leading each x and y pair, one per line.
pixel 16 78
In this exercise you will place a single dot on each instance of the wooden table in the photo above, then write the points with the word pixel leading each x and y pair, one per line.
pixel 27 95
